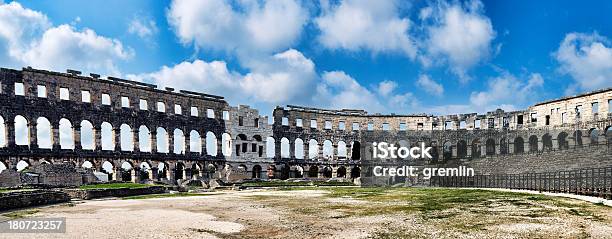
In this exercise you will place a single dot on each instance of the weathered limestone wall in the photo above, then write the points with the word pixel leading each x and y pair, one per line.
pixel 31 198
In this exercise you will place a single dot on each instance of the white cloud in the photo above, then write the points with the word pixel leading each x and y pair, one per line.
pixel 507 92
pixel 286 77
pixel 247 28
pixel 143 27
pixel 64 47
pixel 365 25
pixel 430 86
pixel 386 87
pixel 460 35
pixel 587 58
pixel 339 90
pixel 30 39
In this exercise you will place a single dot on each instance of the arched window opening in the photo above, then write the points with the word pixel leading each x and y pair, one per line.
pixel 87 136
pixel 66 134
pixel 44 135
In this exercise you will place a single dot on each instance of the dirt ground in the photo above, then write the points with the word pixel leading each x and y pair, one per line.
pixel 324 213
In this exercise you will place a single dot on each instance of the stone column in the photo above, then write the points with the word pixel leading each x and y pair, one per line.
pixel 334 152
pixel 277 149
pixel 33 138
pixel 153 141
pixel 10 132
pixel 203 145
pixel 170 142
pixel 97 135
pixel 306 151
pixel 136 139
pixel 320 151
pixel 292 150
pixel 76 134
pixel 220 148
pixel 56 136
pixel 117 137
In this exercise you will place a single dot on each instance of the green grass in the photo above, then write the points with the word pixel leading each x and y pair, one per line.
pixel 165 195
pixel 115 185
pixel 293 184
pixel 20 213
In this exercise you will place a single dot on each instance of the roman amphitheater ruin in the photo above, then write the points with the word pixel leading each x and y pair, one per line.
pixel 113 125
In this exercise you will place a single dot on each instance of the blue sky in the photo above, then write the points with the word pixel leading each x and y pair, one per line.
pixel 382 56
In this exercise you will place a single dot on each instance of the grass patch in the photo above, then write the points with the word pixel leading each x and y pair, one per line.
pixel 293 184
pixel 165 195
pixel 114 185
pixel 20 213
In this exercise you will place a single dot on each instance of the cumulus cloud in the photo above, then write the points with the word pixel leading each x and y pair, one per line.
pixel 587 58
pixel 143 27
pixel 460 35
pixel 339 90
pixel 246 28
pixel 430 86
pixel 365 25
pixel 30 39
pixel 506 91
pixel 287 77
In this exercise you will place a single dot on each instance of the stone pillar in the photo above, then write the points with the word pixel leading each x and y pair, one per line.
pixel 117 137
pixel 153 141
pixel 56 136
pixel 220 147
pixel 453 151
pixel 97 135
pixel 334 151
pixel 277 149
pixel 33 138
pixel 526 147
pixel 187 144
pixel 469 150
pixel 292 150
pixel 154 171
pixel 136 139
pixel 76 134
pixel 203 144
pixel 320 151
pixel 306 151
pixel 171 142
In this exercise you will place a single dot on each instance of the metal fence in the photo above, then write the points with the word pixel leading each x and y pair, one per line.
pixel 590 181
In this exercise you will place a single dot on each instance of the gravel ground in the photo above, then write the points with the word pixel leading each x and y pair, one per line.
pixel 313 214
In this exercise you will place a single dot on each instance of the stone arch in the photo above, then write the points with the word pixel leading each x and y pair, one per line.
pixel 313 171
pixel 195 142
pixel 87 135
pixel 547 142
pixel 66 133
pixel 533 143
pixel 162 170
pixel 503 146
pixel 107 167
pixel 127 138
pixel 179 142
pixel 145 171
pixel 270 147
pixel 107 136
pixel 144 139
pixel 447 150
pixel 226 144
pixel 44 134
pixel 127 171
pixel 594 136
pixel 313 149
pixel 519 145
pixel 562 141
pixel 299 148
pixel 211 143
pixel 298 171
pixel 355 172
pixel 22 131
pixel 88 164
pixel 341 172
pixel 22 165
pixel 461 149
pixel 328 150
pixel 256 171
pixel 578 138
pixel 2 133
pixel 341 149
pixel 356 150
pixel 241 137
pixel 284 148
pixel 162 140
pixel 327 172
pixel 476 149
pixel 179 169
pixel 490 147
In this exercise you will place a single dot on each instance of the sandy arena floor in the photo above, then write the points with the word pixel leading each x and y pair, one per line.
pixel 310 214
